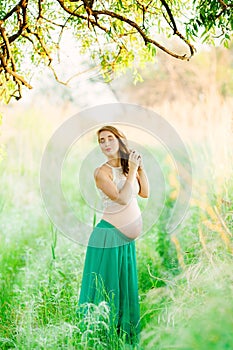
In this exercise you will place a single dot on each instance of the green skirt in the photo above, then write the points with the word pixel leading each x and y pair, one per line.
pixel 110 275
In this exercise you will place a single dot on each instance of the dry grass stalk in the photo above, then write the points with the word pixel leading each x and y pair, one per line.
pixel 179 251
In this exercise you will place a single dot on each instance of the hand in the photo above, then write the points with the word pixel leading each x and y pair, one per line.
pixel 134 160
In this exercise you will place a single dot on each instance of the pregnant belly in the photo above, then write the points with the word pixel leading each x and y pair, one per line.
pixel 127 218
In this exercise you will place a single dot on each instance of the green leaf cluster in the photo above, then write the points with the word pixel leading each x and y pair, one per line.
pixel 118 34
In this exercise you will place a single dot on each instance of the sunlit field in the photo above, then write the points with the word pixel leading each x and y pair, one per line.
pixel 185 279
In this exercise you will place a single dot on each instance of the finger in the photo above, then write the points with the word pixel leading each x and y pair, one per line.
pixel 133 155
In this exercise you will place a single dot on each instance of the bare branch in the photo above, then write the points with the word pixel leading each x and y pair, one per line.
pixel 83 72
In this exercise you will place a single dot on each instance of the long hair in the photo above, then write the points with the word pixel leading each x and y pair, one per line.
pixel 123 146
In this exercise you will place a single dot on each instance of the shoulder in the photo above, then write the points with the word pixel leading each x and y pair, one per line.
pixel 102 171
pixel 103 176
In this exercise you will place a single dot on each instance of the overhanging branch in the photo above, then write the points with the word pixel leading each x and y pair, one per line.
pixel 8 65
pixel 35 27
pixel 145 37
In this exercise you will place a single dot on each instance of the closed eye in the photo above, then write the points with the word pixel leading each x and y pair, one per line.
pixel 110 138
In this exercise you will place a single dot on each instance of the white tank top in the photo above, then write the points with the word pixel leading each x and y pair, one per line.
pixel 119 179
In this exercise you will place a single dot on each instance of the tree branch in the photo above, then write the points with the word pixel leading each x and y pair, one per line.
pixel 86 18
pixel 223 3
pixel 170 15
pixel 34 27
pixel 174 27
pixel 11 12
pixel 143 34
pixel 40 40
pixel 14 74
pixel 224 6
pixel 22 25
pixel 6 57
pixel 7 47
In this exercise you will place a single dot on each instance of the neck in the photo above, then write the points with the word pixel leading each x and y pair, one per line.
pixel 115 162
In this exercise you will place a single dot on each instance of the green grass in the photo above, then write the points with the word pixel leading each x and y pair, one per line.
pixel 185 290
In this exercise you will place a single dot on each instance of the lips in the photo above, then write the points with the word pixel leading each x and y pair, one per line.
pixel 107 149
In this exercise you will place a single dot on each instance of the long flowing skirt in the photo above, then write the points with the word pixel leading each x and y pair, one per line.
pixel 110 274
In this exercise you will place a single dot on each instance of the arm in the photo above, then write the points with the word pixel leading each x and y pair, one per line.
pixel 143 183
pixel 104 182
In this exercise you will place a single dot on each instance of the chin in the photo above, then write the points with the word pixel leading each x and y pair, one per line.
pixel 111 154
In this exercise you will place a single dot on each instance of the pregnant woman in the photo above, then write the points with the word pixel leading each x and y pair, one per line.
pixel 110 272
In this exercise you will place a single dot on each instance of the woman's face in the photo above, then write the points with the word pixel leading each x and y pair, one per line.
pixel 109 144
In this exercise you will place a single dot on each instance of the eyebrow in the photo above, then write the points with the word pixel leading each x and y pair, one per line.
pixel 102 138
